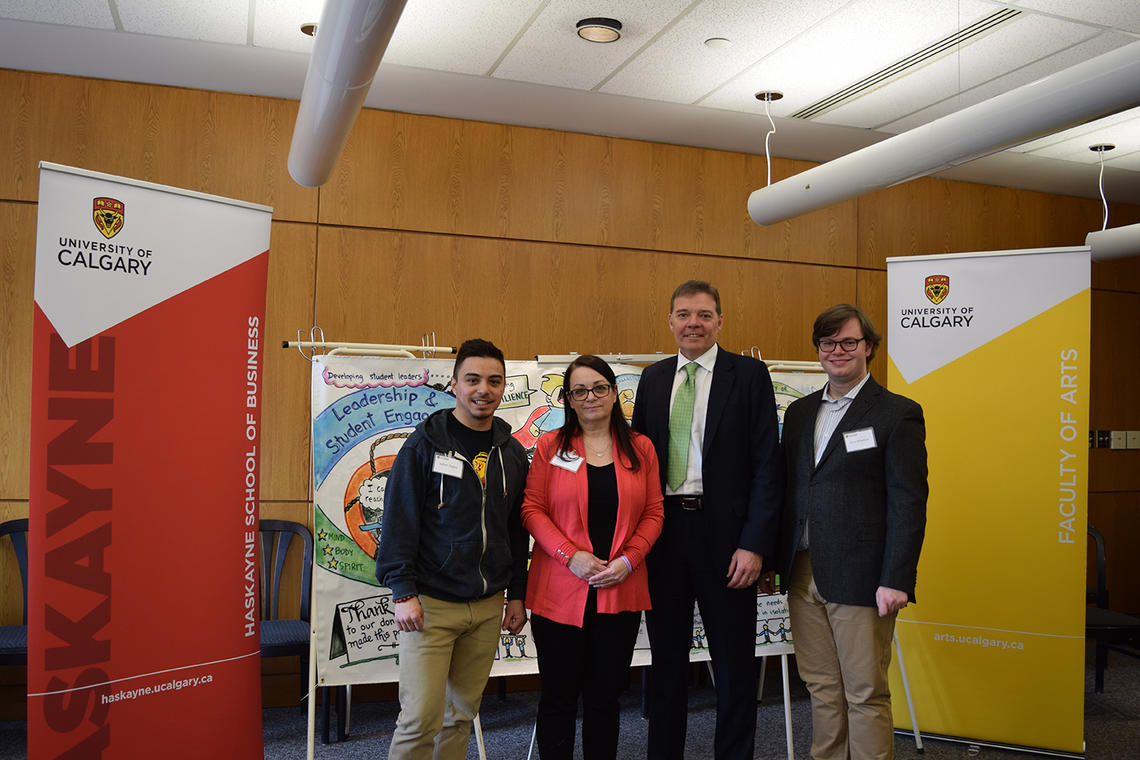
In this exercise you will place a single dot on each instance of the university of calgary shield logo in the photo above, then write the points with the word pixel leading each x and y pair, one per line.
pixel 108 214
pixel 937 288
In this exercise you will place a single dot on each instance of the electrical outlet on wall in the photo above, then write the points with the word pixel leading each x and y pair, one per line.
pixel 1133 439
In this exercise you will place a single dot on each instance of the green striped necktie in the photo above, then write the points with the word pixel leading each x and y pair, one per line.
pixel 680 428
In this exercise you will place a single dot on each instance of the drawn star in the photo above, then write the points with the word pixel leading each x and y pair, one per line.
pixel 333 563
pixel 322 534
pixel 328 551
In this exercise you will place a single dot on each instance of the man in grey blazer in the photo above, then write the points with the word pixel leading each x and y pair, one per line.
pixel 711 415
pixel 854 519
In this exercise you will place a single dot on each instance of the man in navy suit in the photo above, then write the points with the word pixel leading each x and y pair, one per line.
pixel 854 519
pixel 721 475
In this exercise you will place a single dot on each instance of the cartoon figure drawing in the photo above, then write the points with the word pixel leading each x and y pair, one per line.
pixel 627 392
pixel 512 642
pixel 544 418
pixel 765 635
pixel 364 497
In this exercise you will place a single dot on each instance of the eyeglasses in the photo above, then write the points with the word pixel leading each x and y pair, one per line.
pixel 827 345
pixel 601 390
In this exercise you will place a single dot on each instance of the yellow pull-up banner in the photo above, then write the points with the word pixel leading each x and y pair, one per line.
pixel 995 346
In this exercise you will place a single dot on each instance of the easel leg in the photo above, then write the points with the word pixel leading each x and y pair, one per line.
pixel 906 690
pixel 787 707
pixel 479 739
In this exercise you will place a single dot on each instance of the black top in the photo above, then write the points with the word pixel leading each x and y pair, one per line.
pixel 601 509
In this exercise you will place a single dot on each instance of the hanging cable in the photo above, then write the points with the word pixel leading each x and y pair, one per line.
pixel 1103 200
pixel 768 96
pixel 1100 149
pixel 768 139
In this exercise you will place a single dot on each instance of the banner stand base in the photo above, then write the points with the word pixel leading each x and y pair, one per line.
pixel 993 745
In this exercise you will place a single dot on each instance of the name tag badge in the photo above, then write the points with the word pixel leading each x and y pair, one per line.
pixel 449 466
pixel 859 440
pixel 570 465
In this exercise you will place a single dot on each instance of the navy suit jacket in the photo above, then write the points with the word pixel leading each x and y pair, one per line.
pixel 865 509
pixel 740 455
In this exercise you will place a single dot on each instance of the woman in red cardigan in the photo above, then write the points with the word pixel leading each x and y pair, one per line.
pixel 593 504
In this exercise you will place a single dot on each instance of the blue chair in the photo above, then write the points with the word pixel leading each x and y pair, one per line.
pixel 285 637
pixel 289 637
pixel 14 638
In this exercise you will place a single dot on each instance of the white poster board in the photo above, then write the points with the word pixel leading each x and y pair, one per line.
pixel 363 409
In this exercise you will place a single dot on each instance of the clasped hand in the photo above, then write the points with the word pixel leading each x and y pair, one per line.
pixel 597 573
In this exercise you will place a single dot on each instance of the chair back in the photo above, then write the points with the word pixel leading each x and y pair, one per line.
pixel 17 530
pixel 276 538
pixel 1098 595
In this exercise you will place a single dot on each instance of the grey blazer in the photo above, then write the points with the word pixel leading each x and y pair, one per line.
pixel 865 510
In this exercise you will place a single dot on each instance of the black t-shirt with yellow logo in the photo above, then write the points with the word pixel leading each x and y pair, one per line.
pixel 473 444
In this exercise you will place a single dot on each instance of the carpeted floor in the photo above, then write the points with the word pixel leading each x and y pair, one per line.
pixel 1112 727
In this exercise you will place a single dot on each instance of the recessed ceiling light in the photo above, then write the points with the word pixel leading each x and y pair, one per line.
pixel 718 42
pixel 599 29
pixel 309 28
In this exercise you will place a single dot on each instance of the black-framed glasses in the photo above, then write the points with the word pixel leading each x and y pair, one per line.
pixel 827 345
pixel 601 390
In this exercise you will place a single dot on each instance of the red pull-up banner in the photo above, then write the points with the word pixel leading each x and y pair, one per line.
pixel 146 414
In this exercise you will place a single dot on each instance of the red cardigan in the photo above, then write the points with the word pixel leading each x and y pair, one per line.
pixel 554 511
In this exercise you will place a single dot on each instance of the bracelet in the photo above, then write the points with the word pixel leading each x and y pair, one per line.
pixel 404 598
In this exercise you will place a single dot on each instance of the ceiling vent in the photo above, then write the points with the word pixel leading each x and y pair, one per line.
pixel 906 65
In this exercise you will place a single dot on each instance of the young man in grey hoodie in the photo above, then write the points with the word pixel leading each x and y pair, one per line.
pixel 451 541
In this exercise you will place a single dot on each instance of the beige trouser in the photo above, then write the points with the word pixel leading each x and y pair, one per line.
pixel 842 652
pixel 443 671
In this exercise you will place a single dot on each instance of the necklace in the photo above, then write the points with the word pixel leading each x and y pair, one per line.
pixel 605 448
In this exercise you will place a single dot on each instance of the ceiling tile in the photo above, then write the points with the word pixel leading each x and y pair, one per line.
pixel 1017 43
pixel 208 20
pixel 1129 161
pixel 1121 130
pixel 1059 61
pixel 1078 132
pixel 551 52
pixel 862 38
pixel 1078 151
pixel 462 36
pixel 90 13
pixel 679 67
pixel 277 23
pixel 1118 14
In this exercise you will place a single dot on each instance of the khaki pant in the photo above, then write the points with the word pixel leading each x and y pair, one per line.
pixel 443 671
pixel 843 653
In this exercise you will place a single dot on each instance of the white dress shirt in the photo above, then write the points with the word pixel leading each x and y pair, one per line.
pixel 693 484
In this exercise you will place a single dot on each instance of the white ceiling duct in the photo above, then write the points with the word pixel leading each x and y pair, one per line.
pixel 1116 243
pixel 1097 87
pixel 351 39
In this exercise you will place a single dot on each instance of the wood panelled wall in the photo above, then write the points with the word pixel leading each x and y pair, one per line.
pixel 542 241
